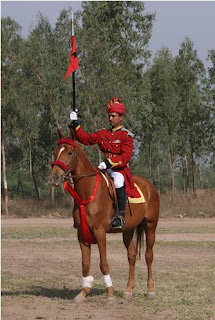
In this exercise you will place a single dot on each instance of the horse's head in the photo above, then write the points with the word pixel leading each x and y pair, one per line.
pixel 65 160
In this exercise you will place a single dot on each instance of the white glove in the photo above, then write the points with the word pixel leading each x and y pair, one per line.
pixel 102 166
pixel 74 115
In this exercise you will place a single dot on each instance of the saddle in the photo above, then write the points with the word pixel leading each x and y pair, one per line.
pixel 112 192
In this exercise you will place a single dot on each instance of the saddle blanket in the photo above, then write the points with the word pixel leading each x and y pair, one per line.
pixel 140 199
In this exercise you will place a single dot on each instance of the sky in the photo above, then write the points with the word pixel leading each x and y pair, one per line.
pixel 175 20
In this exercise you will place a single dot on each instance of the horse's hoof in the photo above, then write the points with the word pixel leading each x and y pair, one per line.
pixel 127 295
pixel 150 294
pixel 111 300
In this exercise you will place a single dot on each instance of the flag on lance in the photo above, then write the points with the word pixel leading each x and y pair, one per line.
pixel 73 59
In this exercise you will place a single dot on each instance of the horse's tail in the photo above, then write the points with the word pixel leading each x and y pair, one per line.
pixel 140 237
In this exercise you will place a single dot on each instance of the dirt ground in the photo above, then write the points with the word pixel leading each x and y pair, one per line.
pixel 41 270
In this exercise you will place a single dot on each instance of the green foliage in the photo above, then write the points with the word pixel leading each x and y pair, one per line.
pixel 113 41
pixel 169 103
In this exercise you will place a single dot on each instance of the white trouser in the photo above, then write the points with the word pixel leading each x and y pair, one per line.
pixel 117 177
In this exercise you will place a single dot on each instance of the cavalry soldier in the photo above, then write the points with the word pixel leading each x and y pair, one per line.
pixel 117 145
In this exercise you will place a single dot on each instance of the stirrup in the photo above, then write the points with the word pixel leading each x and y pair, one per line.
pixel 118 222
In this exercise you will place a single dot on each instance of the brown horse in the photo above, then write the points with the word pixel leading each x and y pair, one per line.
pixel 72 161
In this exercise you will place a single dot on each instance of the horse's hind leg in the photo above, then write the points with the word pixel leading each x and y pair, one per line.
pixel 131 253
pixel 150 240
pixel 87 280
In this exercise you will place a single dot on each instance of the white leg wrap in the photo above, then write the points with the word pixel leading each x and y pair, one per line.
pixel 107 280
pixel 87 282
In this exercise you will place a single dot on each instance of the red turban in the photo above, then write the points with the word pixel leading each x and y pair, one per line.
pixel 115 105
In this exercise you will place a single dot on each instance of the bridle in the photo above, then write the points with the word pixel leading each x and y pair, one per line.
pixel 68 168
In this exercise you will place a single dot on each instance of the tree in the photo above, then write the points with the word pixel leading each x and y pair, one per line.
pixel 165 100
pixel 211 102
pixel 113 39
pixel 169 104
pixel 194 113
pixel 11 43
pixel 44 96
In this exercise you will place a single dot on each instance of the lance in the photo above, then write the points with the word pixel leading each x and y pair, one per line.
pixel 73 91
pixel 73 74
pixel 73 64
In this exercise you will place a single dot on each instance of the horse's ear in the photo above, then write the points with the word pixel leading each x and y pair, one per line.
pixel 60 136
pixel 72 134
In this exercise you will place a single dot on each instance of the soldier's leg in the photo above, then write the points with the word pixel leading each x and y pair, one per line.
pixel 118 178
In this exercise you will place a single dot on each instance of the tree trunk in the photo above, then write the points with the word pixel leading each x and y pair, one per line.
pixel 193 168
pixel 172 174
pixel 19 182
pixel 150 162
pixel 30 166
pixel 193 174
pixel 52 195
pixel 32 155
pixel 52 189
pixel 186 176
pixel 6 196
pixel 200 177
pixel 158 170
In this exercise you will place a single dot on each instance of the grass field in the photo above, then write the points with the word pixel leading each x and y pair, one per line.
pixel 41 273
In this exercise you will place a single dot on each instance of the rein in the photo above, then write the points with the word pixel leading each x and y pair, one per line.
pixel 82 176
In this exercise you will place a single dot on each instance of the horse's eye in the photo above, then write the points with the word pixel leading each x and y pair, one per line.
pixel 69 153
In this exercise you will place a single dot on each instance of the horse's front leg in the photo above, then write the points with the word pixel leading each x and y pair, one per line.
pixel 101 241
pixel 87 280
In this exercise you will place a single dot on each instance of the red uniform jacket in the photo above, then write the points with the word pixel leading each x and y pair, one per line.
pixel 117 144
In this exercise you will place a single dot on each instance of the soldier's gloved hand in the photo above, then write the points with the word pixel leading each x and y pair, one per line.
pixel 102 166
pixel 74 124
pixel 74 115
pixel 74 119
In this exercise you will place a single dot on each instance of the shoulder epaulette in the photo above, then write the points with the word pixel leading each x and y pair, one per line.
pixel 129 133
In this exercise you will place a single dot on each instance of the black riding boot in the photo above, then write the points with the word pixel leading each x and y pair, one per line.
pixel 119 221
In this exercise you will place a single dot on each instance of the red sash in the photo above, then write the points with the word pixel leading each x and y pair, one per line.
pixel 85 230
